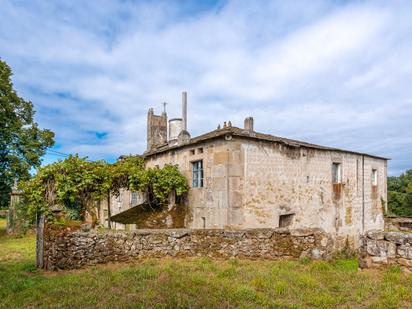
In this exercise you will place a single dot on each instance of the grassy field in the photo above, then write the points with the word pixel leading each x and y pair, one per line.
pixel 195 283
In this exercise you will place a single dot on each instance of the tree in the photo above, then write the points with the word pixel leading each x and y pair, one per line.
pixel 22 142
pixel 400 194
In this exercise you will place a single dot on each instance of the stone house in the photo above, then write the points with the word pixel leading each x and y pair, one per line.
pixel 241 179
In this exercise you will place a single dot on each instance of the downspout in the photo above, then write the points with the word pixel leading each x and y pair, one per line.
pixel 227 189
pixel 363 194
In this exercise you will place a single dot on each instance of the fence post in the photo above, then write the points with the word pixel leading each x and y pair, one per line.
pixel 40 220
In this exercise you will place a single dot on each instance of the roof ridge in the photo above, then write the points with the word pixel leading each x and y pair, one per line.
pixel 254 135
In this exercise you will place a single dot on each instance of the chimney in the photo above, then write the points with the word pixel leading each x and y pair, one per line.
pixel 249 124
pixel 184 110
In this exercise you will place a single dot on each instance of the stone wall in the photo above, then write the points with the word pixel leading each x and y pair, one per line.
pixel 398 223
pixel 72 247
pixel 386 248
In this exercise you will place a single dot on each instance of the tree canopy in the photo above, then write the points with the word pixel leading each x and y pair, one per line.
pixel 77 184
pixel 22 142
pixel 400 194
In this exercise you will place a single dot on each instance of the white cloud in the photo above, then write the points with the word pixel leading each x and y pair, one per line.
pixel 331 73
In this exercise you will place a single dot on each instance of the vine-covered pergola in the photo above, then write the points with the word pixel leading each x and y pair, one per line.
pixel 76 183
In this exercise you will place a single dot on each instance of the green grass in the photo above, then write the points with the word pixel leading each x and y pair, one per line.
pixel 196 283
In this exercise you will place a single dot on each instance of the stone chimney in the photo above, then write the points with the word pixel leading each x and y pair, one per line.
pixel 249 124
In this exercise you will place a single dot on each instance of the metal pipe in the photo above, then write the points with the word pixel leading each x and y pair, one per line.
pixel 363 194
pixel 184 110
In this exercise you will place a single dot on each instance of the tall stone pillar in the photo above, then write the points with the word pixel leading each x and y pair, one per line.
pixel 12 217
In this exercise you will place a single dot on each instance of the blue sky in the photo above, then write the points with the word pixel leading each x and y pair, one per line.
pixel 336 73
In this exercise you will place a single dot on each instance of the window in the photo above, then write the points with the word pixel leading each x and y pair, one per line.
pixel 197 174
pixel 336 172
pixel 133 198
pixel 192 152
pixel 374 177
pixel 285 220
pixel 199 150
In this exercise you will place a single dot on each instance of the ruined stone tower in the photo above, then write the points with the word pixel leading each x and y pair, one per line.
pixel 156 129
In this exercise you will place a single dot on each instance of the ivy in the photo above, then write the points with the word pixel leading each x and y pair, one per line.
pixel 76 184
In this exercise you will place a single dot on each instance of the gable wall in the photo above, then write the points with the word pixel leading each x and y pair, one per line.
pixel 282 180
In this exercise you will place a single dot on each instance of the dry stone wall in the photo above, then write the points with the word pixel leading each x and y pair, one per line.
pixel 70 248
pixel 386 248
pixel 398 223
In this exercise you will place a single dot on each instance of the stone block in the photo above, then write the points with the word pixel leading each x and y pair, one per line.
pixel 375 234
pixel 405 251
pixel 301 232
pixel 316 254
pixel 236 199
pixel 282 230
pixel 219 184
pixel 236 170
pixel 379 259
pixel 381 248
pixel 324 241
pixel 218 171
pixel 220 157
pixel 178 234
pixel 391 250
pixel 405 262
pixel 396 237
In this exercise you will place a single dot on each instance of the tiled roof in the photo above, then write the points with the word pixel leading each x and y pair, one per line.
pixel 238 132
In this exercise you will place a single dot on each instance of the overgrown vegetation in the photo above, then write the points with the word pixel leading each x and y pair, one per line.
pixel 400 194
pixel 77 184
pixel 197 283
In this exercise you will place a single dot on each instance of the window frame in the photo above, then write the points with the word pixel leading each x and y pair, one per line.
pixel 286 220
pixel 133 194
pixel 374 177
pixel 197 174
pixel 338 178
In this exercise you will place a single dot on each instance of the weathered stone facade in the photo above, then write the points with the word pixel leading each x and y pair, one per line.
pixel 250 183
pixel 70 247
pixel 255 180
pixel 386 248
